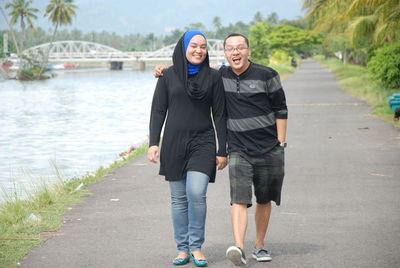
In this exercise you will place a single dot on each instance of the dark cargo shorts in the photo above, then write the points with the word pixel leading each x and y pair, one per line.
pixel 264 172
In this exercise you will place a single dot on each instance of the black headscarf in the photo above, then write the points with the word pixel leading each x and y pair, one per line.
pixel 197 85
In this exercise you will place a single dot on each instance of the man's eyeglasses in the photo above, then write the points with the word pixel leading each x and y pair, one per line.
pixel 239 49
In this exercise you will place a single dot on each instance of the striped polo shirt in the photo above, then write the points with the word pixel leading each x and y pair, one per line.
pixel 254 100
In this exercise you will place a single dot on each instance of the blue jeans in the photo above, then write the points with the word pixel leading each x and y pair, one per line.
pixel 189 208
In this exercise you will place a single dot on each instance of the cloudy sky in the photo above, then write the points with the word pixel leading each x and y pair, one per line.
pixel 157 16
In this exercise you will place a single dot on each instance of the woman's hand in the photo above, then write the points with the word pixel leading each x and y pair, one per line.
pixel 221 162
pixel 153 153
pixel 158 70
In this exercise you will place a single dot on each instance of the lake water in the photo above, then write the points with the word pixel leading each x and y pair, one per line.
pixel 80 120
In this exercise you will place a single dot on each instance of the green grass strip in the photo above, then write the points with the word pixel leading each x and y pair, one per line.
pixel 25 221
pixel 356 81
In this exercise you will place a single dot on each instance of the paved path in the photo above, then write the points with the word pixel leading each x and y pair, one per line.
pixel 340 206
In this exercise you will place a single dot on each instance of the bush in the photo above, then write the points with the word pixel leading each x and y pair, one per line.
pixel 279 56
pixel 385 65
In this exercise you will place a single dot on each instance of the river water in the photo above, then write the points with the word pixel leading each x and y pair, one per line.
pixel 78 121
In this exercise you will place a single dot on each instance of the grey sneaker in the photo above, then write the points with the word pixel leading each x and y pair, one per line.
pixel 261 254
pixel 236 255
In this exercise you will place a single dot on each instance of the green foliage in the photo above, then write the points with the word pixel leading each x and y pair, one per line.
pixel 173 37
pixel 22 12
pixel 259 42
pixel 60 12
pixel 282 41
pixel 292 40
pixel 385 65
pixel 363 22
pixel 280 56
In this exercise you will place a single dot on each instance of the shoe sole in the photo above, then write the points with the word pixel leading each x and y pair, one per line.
pixel 235 256
pixel 262 259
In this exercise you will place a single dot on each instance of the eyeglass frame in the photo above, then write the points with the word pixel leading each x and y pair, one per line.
pixel 232 49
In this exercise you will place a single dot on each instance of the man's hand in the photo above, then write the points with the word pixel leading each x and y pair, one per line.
pixel 158 70
pixel 221 162
pixel 153 153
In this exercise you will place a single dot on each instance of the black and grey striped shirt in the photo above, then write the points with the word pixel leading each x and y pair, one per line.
pixel 254 100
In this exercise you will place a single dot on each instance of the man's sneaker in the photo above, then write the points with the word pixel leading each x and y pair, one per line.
pixel 261 254
pixel 236 255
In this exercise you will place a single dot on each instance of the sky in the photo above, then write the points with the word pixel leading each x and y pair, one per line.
pixel 157 16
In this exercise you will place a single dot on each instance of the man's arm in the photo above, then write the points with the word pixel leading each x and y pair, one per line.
pixel 281 126
pixel 159 69
pixel 278 104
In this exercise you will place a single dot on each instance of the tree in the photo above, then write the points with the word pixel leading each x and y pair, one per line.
pixel 258 17
pixel 173 37
pixel 328 17
pixel 375 20
pixel 22 12
pixel 291 40
pixel 196 26
pixel 260 45
pixel 217 23
pixel 363 21
pixel 273 18
pixel 60 12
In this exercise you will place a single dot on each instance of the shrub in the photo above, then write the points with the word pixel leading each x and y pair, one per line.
pixel 279 56
pixel 385 65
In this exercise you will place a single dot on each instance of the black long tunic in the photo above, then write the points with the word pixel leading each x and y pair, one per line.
pixel 189 140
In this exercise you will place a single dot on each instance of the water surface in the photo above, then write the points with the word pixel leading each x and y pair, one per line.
pixel 80 120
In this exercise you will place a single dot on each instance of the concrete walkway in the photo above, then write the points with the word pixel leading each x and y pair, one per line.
pixel 340 206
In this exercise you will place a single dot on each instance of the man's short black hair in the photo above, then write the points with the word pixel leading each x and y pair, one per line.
pixel 237 34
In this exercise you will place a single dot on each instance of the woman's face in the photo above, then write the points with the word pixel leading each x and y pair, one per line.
pixel 196 51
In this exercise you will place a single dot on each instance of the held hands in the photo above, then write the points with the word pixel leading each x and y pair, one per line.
pixel 153 153
pixel 158 70
pixel 221 162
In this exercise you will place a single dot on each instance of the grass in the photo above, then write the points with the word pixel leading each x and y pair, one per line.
pixel 356 81
pixel 25 222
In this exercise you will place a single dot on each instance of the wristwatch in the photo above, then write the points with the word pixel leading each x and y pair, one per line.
pixel 283 144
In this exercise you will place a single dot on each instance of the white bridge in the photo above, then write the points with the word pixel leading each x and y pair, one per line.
pixel 82 51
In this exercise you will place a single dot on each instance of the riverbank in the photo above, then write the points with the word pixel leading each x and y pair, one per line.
pixel 25 223
pixel 356 81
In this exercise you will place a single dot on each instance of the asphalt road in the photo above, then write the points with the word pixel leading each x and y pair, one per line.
pixel 340 204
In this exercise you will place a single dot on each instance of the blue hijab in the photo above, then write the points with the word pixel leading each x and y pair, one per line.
pixel 192 68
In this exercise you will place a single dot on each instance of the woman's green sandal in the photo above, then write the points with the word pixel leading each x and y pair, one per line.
pixel 181 261
pixel 199 262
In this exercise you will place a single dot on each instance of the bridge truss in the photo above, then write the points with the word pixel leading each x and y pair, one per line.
pixel 72 50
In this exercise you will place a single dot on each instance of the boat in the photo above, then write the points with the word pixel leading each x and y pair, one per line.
pixel 61 66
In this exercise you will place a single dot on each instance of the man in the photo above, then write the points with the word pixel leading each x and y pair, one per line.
pixel 257 120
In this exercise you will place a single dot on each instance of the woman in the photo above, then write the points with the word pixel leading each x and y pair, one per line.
pixel 191 92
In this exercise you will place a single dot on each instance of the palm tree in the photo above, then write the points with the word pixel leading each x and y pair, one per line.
pixel 217 23
pixel 363 21
pixel 375 20
pixel 22 12
pixel 60 12
pixel 3 13
pixel 327 17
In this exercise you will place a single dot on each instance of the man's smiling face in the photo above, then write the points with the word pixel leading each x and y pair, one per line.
pixel 237 53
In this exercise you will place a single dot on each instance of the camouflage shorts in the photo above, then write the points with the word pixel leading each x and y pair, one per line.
pixel 264 172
